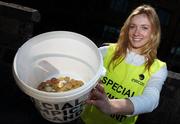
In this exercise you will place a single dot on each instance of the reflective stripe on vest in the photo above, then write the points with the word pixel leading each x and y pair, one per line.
pixel 124 81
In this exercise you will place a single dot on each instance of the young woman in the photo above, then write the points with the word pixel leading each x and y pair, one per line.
pixel 134 76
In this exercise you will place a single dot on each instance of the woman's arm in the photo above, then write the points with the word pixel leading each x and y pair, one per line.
pixel 149 100
pixel 144 103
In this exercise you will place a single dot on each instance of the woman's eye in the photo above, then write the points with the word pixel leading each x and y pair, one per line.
pixel 145 28
pixel 131 26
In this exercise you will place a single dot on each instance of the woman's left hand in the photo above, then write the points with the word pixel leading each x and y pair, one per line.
pixel 99 98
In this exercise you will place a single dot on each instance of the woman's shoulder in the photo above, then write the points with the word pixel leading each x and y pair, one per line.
pixel 158 65
pixel 112 46
pixel 105 48
pixel 159 62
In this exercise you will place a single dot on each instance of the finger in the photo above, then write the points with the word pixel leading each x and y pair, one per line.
pixel 99 81
pixel 100 87
pixel 91 102
pixel 98 94
pixel 92 94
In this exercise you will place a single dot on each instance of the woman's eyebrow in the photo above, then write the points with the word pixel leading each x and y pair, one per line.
pixel 145 25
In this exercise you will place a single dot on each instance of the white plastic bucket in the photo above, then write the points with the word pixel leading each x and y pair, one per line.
pixel 54 54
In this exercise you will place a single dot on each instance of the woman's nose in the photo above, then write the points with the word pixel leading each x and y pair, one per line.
pixel 136 31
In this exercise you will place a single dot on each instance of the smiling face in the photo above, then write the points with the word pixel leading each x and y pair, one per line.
pixel 140 30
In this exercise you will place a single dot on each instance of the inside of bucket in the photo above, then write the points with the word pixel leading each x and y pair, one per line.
pixel 42 69
pixel 53 55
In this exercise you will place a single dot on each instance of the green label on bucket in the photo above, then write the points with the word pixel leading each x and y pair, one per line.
pixel 61 112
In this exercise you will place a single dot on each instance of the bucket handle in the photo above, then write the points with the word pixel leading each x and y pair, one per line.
pixel 47 66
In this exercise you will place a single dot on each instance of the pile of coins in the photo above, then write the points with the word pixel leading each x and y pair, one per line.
pixel 59 84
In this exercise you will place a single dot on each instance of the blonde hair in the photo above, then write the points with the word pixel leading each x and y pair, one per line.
pixel 150 48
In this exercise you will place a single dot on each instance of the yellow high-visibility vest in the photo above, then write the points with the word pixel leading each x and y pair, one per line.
pixel 125 80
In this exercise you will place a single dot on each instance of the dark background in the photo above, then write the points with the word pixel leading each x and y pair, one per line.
pixel 99 20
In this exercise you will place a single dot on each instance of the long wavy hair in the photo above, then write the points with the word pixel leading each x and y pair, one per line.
pixel 149 50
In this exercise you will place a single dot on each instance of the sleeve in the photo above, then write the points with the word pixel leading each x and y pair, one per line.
pixel 149 100
pixel 103 50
